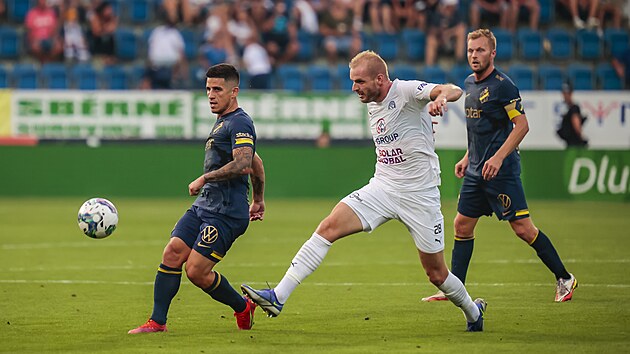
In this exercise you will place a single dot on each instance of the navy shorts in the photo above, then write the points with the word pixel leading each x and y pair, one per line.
pixel 208 233
pixel 503 196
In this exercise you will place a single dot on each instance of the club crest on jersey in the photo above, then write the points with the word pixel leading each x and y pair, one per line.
pixel 485 94
pixel 391 105
pixel 380 126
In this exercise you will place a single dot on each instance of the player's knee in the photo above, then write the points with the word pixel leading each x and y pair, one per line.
pixel 462 229
pixel 327 228
pixel 436 277
pixel 199 276
pixel 175 255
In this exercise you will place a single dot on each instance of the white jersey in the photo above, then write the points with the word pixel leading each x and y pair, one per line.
pixel 403 136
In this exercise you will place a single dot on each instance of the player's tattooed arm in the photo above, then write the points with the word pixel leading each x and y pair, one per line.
pixel 257 208
pixel 240 165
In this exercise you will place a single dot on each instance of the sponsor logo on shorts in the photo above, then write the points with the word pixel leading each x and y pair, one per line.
pixel 356 196
pixel 208 236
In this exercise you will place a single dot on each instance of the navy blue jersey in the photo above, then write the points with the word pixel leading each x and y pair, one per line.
pixel 231 131
pixel 490 106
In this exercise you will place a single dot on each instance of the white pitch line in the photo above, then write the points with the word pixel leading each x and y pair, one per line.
pixel 80 282
pixel 286 264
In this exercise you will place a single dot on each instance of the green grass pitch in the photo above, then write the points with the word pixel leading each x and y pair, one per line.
pixel 64 292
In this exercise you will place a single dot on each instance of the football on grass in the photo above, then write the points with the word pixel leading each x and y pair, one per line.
pixel 98 218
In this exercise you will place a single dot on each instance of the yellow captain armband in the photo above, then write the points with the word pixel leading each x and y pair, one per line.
pixel 514 108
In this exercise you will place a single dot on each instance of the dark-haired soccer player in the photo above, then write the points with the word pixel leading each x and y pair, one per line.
pixel 496 124
pixel 221 212
pixel 404 186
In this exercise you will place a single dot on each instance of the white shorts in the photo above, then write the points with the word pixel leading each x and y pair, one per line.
pixel 418 211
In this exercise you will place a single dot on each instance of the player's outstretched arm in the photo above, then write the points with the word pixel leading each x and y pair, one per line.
pixel 242 164
pixel 440 95
pixel 257 209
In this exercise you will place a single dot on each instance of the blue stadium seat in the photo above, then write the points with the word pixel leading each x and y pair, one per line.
pixel 126 44
pixel 414 43
pixel 290 78
pixel 320 78
pixel 589 46
pixel 607 77
pixel 505 44
pixel 192 42
pixel 85 77
pixel 140 11
pixel 54 76
pixel 523 77
pixel 17 9
pixel 386 45
pixel 458 74
pixel 4 77
pixel 115 77
pixel 530 44
pixel 547 11
pixel 343 78
pixel 9 43
pixel 433 74
pixel 616 41
pixel 562 44
pixel 404 72
pixel 308 46
pixel 550 77
pixel 581 76
pixel 24 76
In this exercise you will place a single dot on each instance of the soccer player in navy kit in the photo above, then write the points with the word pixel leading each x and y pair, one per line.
pixel 221 212
pixel 496 124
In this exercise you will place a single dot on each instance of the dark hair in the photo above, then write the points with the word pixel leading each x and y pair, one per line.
pixel 224 71
pixel 102 6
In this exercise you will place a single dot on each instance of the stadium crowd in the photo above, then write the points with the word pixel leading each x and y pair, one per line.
pixel 302 45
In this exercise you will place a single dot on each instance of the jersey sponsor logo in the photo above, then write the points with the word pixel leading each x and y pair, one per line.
pixel 391 105
pixel 386 139
pixel 244 135
pixel 473 113
pixel 390 156
pixel 422 86
pixel 380 126
pixel 217 127
pixel 485 94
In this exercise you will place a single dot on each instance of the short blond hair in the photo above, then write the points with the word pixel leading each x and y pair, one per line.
pixel 483 32
pixel 374 63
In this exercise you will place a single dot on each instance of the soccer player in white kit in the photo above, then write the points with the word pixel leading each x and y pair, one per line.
pixel 404 186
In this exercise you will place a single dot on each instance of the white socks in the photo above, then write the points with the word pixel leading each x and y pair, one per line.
pixel 308 258
pixel 455 291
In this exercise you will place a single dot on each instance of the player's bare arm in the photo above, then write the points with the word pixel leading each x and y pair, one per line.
pixel 240 165
pixel 461 166
pixel 257 176
pixel 440 96
pixel 493 165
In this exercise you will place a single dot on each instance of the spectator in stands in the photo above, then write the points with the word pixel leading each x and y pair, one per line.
pixel 219 45
pixel 492 12
pixel 405 13
pixel 279 34
pixel 610 9
pixel 572 120
pixel 166 59
pixel 381 16
pixel 305 16
pixel 257 64
pixel 74 41
pixel 240 26
pixel 189 12
pixel 3 11
pixel 43 32
pixel 103 24
pixel 446 28
pixel 424 10
pixel 340 37
pixel 533 8
pixel 621 63
pixel 583 12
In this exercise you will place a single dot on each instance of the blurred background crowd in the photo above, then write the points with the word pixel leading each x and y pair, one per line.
pixel 304 45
